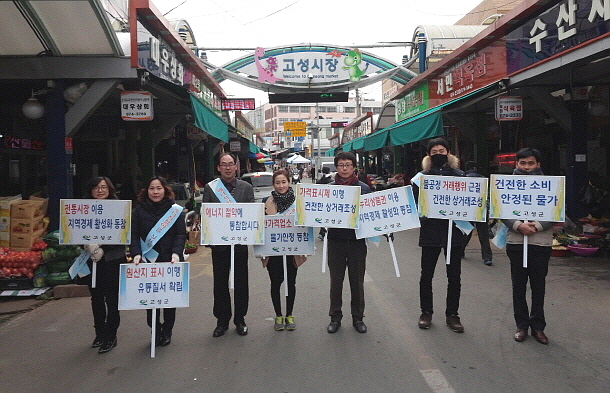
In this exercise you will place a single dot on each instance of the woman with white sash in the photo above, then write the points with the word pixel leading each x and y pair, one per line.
pixel 281 201
pixel 106 260
pixel 158 234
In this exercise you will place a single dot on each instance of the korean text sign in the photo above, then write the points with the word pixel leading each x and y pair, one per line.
pixel 453 197
pixel 322 205
pixel 232 223
pixel 536 198
pixel 97 221
pixel 387 211
pixel 282 237
pixel 153 285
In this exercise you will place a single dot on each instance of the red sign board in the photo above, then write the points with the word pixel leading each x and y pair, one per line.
pixel 477 70
pixel 237 104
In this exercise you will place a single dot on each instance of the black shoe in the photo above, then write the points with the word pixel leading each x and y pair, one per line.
pixel 333 326
pixel 166 338
pixel 107 346
pixel 97 342
pixel 220 331
pixel 360 326
pixel 241 329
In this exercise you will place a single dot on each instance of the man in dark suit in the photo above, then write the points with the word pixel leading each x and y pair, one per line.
pixel 241 191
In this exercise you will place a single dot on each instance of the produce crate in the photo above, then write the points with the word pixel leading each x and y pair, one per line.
pixel 28 209
pixel 15 283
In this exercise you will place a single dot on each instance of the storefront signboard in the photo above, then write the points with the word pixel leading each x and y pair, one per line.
pixel 415 102
pixel 137 106
pixel 509 108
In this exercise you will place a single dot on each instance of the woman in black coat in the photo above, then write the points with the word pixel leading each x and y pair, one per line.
pixel 108 258
pixel 154 201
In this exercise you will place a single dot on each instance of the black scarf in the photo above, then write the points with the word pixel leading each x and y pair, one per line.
pixel 283 201
pixel 535 171
pixel 157 209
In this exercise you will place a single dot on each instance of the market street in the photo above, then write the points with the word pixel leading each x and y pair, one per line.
pixel 47 349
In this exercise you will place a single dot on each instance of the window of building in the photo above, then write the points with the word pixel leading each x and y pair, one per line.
pixel 305 109
pixel 293 109
pixel 283 108
pixel 349 109
pixel 282 120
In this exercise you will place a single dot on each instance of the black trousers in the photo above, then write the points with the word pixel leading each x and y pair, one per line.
pixel 536 271
pixel 221 263
pixel 483 235
pixel 169 318
pixel 350 254
pixel 429 258
pixel 105 298
pixel 275 268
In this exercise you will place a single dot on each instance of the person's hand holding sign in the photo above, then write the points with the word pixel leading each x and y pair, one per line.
pixel 137 259
pixel 527 228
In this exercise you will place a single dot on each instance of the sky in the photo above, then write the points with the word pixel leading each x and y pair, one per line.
pixel 247 23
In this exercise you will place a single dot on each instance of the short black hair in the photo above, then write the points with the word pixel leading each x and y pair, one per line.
pixel 325 169
pixel 528 152
pixel 436 142
pixel 470 165
pixel 345 155
pixel 227 154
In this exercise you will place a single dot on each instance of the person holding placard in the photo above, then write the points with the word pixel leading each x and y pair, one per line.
pixel 433 236
pixel 281 200
pixel 105 292
pixel 345 251
pixel 539 241
pixel 158 214
pixel 228 189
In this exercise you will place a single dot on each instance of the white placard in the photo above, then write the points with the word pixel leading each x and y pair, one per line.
pixel 322 205
pixel 453 197
pixel 153 285
pixel 527 197
pixel 282 237
pixel 232 223
pixel 387 211
pixel 137 106
pixel 95 221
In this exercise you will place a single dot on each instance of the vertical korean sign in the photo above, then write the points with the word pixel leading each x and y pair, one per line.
pixel 232 223
pixel 453 197
pixel 95 221
pixel 282 237
pixel 321 205
pixel 533 198
pixel 154 285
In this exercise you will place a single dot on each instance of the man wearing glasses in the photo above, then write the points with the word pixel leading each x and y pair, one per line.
pixel 345 251
pixel 229 189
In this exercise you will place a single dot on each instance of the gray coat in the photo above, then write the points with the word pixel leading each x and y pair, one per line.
pixel 243 193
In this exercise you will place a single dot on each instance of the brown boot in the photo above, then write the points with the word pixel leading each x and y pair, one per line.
pixel 454 324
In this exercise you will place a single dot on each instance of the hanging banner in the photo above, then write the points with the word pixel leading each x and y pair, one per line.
pixel 95 221
pixel 232 223
pixel 453 197
pixel 322 205
pixel 534 198
pixel 387 211
pixel 282 237
pixel 153 285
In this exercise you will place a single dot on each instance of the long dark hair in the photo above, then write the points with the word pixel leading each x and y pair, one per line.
pixel 169 193
pixel 91 184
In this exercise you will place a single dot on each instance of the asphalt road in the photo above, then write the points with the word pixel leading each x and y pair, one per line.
pixel 47 349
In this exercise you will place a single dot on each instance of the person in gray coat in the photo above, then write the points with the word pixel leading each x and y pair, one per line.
pixel 241 191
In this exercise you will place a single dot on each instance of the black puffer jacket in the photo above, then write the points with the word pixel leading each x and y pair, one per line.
pixel 144 217
pixel 433 231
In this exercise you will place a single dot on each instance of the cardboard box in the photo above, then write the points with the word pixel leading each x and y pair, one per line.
pixel 26 225
pixel 5 239
pixel 29 209
pixel 23 241
pixel 194 237
pixel 5 204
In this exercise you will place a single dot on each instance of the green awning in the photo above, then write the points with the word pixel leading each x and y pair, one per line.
pixel 376 140
pixel 358 143
pixel 347 146
pixel 253 148
pixel 420 127
pixel 208 121
pixel 330 152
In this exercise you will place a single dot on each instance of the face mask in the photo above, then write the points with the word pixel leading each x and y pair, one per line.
pixel 439 159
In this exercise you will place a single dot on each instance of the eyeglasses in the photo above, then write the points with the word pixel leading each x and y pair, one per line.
pixel 101 188
pixel 224 165
pixel 345 165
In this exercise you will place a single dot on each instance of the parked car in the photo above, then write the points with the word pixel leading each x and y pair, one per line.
pixel 183 194
pixel 262 183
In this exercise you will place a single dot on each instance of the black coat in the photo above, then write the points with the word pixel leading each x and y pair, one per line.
pixel 433 231
pixel 144 217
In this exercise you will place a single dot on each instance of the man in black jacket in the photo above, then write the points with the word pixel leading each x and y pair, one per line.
pixel 433 239
pixel 221 255
pixel 345 251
